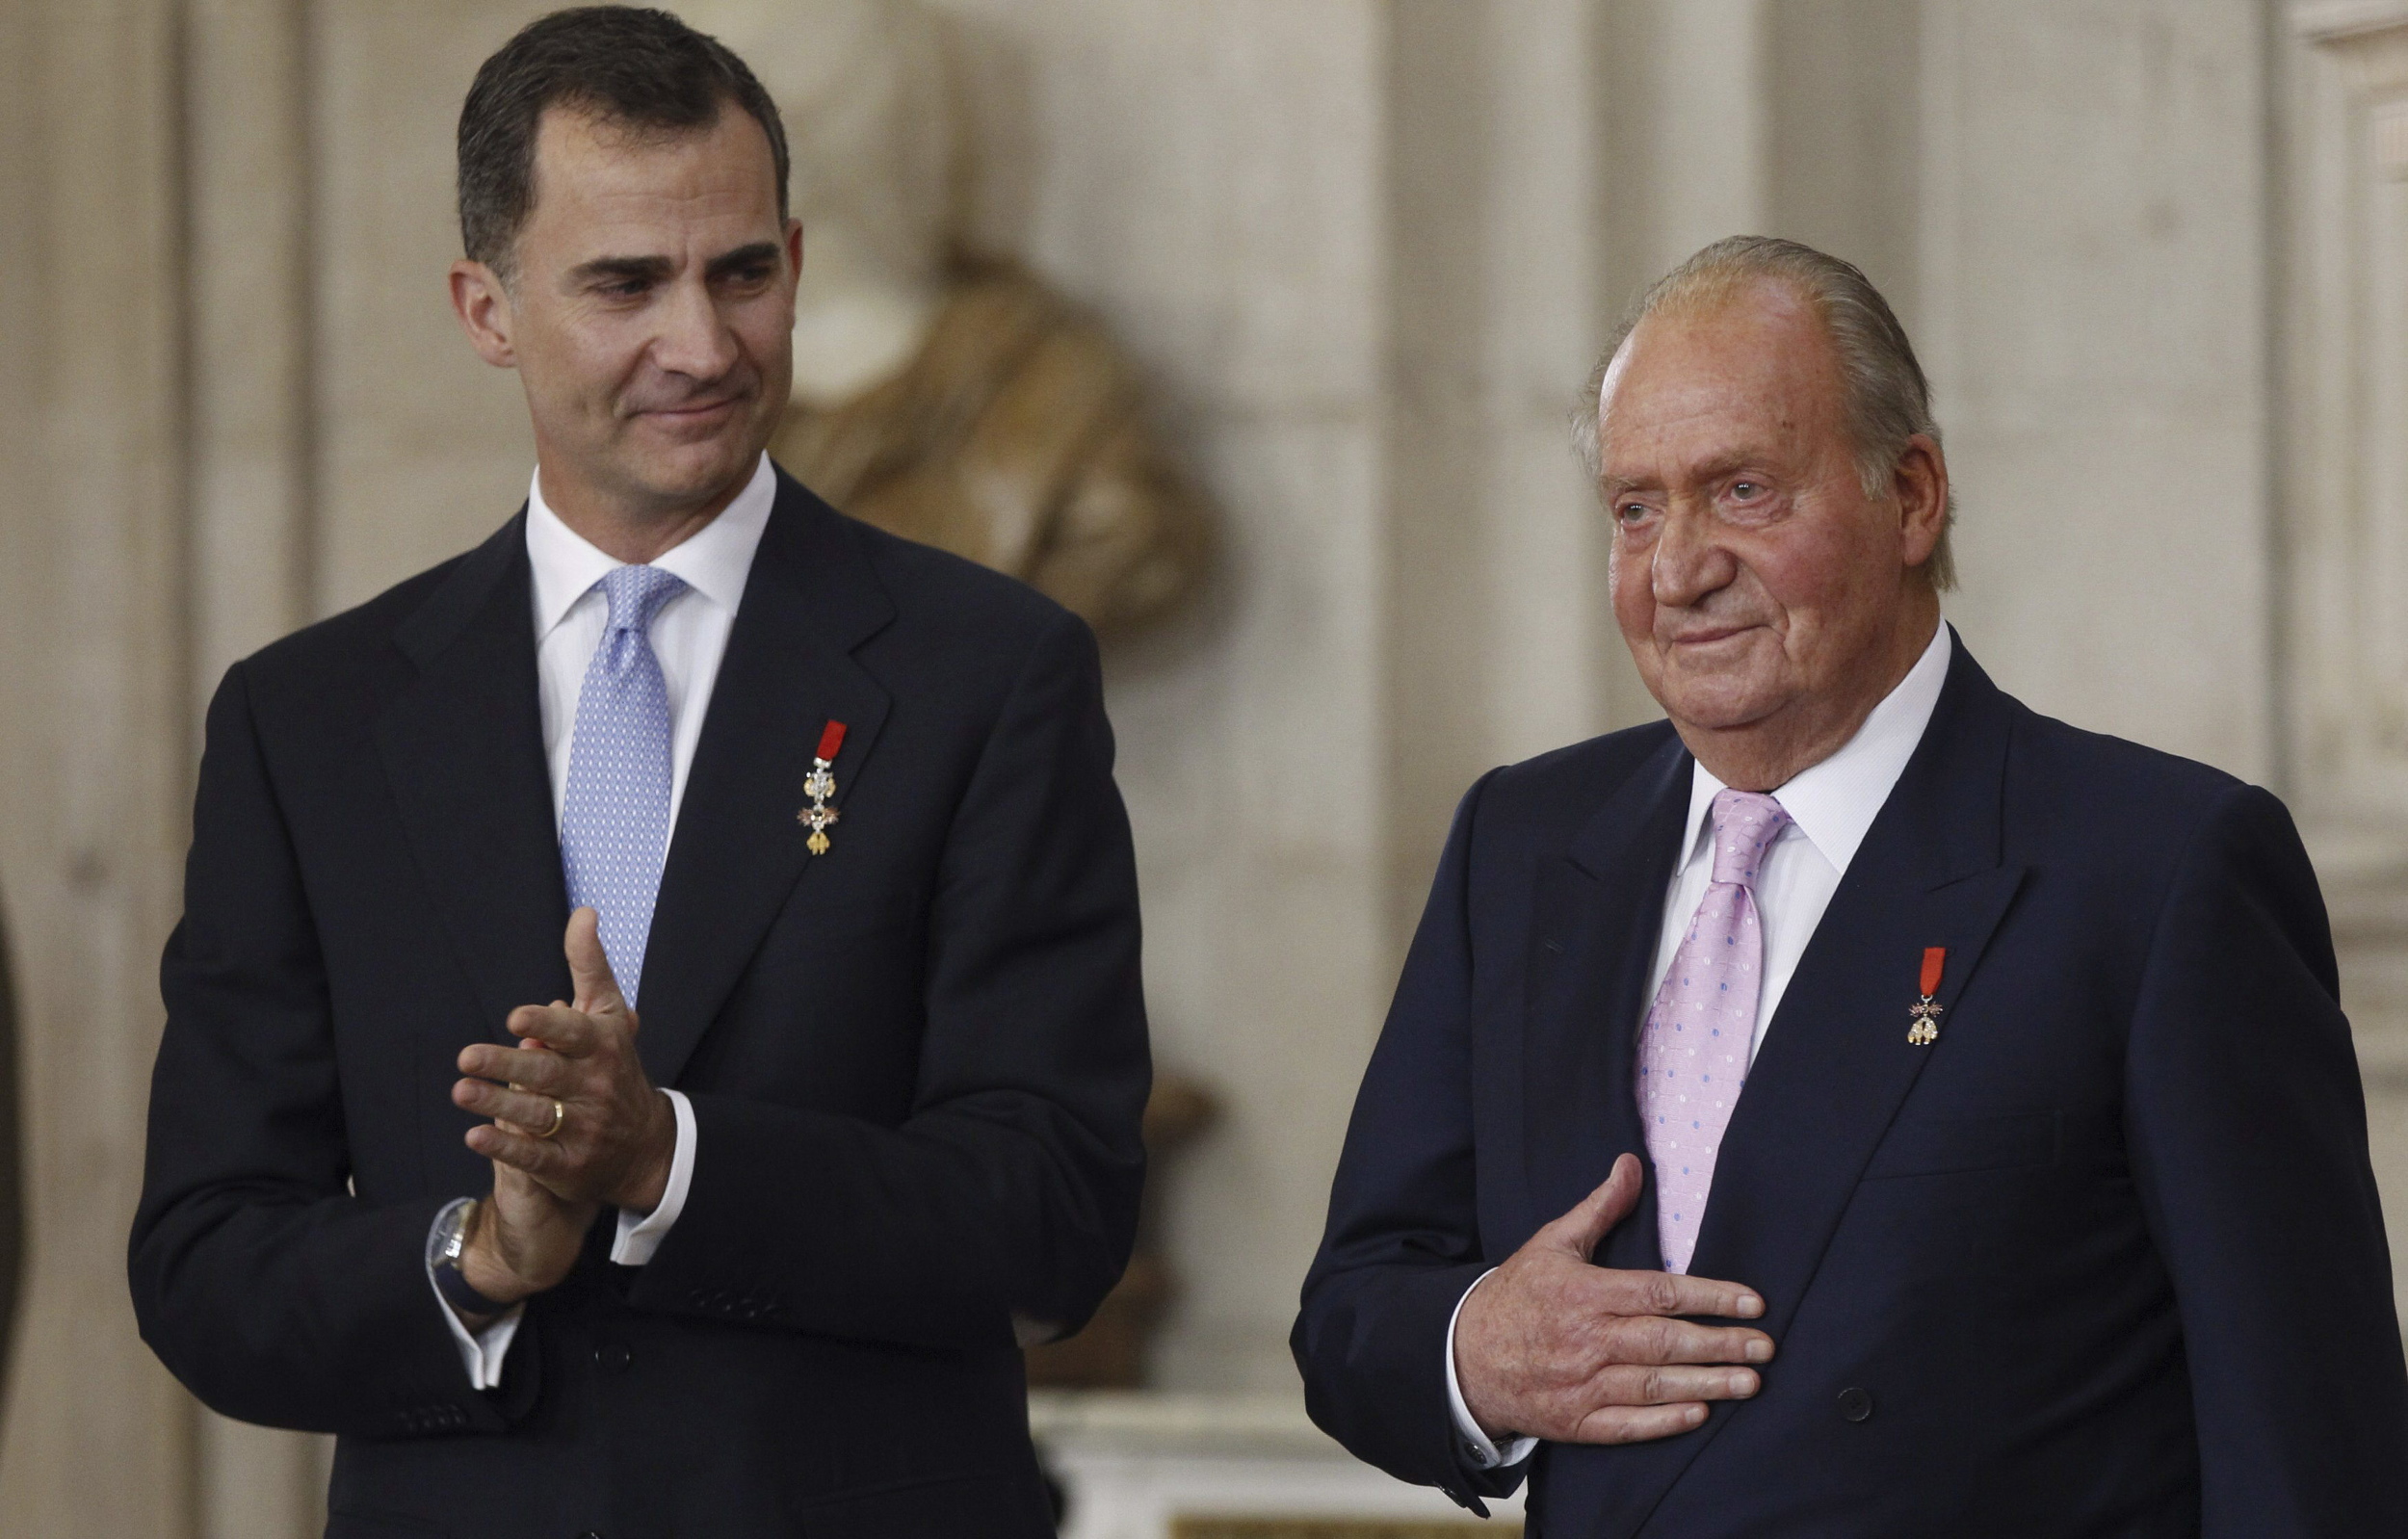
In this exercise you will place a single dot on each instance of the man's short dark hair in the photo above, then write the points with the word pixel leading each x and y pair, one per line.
pixel 645 70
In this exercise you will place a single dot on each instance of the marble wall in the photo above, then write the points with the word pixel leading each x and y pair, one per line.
pixel 94 755
pixel 1364 251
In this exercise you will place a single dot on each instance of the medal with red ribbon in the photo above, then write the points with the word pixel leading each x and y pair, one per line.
pixel 820 785
pixel 1925 1029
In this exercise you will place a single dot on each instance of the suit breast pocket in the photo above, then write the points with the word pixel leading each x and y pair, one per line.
pixel 1935 1146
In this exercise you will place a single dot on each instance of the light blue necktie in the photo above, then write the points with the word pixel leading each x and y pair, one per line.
pixel 614 819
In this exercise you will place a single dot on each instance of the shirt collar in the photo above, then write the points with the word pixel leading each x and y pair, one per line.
pixel 713 561
pixel 1833 803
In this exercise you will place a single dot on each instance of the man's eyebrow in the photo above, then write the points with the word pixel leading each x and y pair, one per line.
pixel 1729 463
pixel 743 256
pixel 620 269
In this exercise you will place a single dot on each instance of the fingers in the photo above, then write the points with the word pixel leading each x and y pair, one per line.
pixel 1674 1385
pixel 1583 1229
pixel 1654 1342
pixel 568 1032
pixel 536 1157
pixel 1629 1292
pixel 525 1109
pixel 1623 1423
pixel 597 991
pixel 537 1070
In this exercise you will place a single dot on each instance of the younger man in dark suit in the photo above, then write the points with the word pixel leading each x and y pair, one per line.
pixel 835 812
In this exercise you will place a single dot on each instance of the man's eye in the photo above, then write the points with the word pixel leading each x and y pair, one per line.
pixel 1745 489
pixel 1632 513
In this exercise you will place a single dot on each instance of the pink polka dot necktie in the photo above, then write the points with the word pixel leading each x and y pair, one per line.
pixel 1692 1054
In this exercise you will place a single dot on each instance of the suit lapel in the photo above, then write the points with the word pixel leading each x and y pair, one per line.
pixel 1599 909
pixel 462 749
pixel 1836 1064
pixel 738 849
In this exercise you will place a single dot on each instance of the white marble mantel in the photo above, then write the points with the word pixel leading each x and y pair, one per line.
pixel 1133 1463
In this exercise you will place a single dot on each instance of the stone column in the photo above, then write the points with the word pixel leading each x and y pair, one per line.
pixel 2095 308
pixel 95 702
pixel 2346 528
pixel 1498 640
pixel 249 274
pixel 2347 519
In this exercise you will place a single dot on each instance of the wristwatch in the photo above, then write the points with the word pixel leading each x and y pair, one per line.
pixel 444 1244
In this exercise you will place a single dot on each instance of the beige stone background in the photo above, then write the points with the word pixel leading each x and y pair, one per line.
pixel 2155 252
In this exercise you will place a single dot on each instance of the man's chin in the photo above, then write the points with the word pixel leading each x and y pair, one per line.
pixel 694 473
pixel 1717 702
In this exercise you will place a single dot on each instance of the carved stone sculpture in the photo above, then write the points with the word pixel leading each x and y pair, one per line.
pixel 959 403
pixel 1014 437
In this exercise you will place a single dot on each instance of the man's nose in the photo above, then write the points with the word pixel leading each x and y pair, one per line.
pixel 1688 563
pixel 695 339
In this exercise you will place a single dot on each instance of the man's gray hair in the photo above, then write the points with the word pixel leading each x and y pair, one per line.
pixel 1888 402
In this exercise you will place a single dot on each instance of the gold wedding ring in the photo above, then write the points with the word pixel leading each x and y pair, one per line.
pixel 560 1118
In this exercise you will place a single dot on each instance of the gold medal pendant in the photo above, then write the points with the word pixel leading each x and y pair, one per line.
pixel 1927 1027
pixel 820 785
pixel 1923 1013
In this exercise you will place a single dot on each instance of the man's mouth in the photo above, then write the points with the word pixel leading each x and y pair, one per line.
pixel 1706 635
pixel 694 411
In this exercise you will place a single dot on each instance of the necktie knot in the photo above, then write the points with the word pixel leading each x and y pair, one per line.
pixel 636 594
pixel 1747 822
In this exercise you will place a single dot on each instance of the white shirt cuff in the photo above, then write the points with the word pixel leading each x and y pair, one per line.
pixel 1477 1446
pixel 641 1235
pixel 481 1352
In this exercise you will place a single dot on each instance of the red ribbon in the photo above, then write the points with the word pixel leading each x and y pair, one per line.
pixel 832 737
pixel 1933 956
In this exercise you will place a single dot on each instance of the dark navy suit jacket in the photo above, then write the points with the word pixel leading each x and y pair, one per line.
pixel 917 1063
pixel 2105 1259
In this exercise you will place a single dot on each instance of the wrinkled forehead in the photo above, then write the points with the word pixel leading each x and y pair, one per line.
pixel 1736 370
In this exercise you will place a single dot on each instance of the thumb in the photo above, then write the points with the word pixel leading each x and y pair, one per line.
pixel 1583 1229
pixel 589 967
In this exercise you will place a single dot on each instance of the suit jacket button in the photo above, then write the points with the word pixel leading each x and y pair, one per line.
pixel 613 1357
pixel 1855 1404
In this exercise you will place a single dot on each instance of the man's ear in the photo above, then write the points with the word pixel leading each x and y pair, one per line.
pixel 1922 483
pixel 483 305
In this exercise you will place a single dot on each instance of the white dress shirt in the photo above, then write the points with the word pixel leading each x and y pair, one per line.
pixel 688 636
pixel 1831 804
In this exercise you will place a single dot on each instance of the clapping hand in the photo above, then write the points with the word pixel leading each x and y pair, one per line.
pixel 576 1124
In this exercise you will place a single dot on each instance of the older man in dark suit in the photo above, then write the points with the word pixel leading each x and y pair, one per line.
pixel 834 811
pixel 1858 1105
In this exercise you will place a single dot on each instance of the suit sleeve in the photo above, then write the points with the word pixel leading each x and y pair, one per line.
pixel 267 1288
pixel 2247 1130
pixel 1009 1194
pixel 1403 1242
